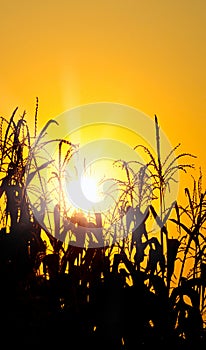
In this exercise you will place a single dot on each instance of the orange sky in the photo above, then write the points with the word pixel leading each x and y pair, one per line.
pixel 147 54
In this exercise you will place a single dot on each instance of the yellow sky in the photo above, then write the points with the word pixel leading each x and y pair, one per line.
pixel 146 54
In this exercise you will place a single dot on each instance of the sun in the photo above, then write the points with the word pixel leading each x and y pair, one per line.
pixel 85 193
pixel 91 189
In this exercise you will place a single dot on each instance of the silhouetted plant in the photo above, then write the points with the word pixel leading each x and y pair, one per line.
pixel 163 173
pixel 192 219
pixel 195 216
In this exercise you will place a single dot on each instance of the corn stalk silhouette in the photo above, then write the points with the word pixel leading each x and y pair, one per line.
pixel 18 219
pixel 191 219
pixel 139 195
pixel 15 147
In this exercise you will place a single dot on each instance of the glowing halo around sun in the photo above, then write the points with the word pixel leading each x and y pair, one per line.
pixel 71 168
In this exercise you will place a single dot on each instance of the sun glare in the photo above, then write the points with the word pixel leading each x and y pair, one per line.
pixel 91 189
pixel 85 193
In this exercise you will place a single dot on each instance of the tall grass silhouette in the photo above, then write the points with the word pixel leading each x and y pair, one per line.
pixel 134 292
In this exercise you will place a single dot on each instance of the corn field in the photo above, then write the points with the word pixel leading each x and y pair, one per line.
pixel 132 288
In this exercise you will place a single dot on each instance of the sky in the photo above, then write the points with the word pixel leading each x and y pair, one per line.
pixel 149 55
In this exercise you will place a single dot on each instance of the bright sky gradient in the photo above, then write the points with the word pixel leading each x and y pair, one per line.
pixel 150 55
